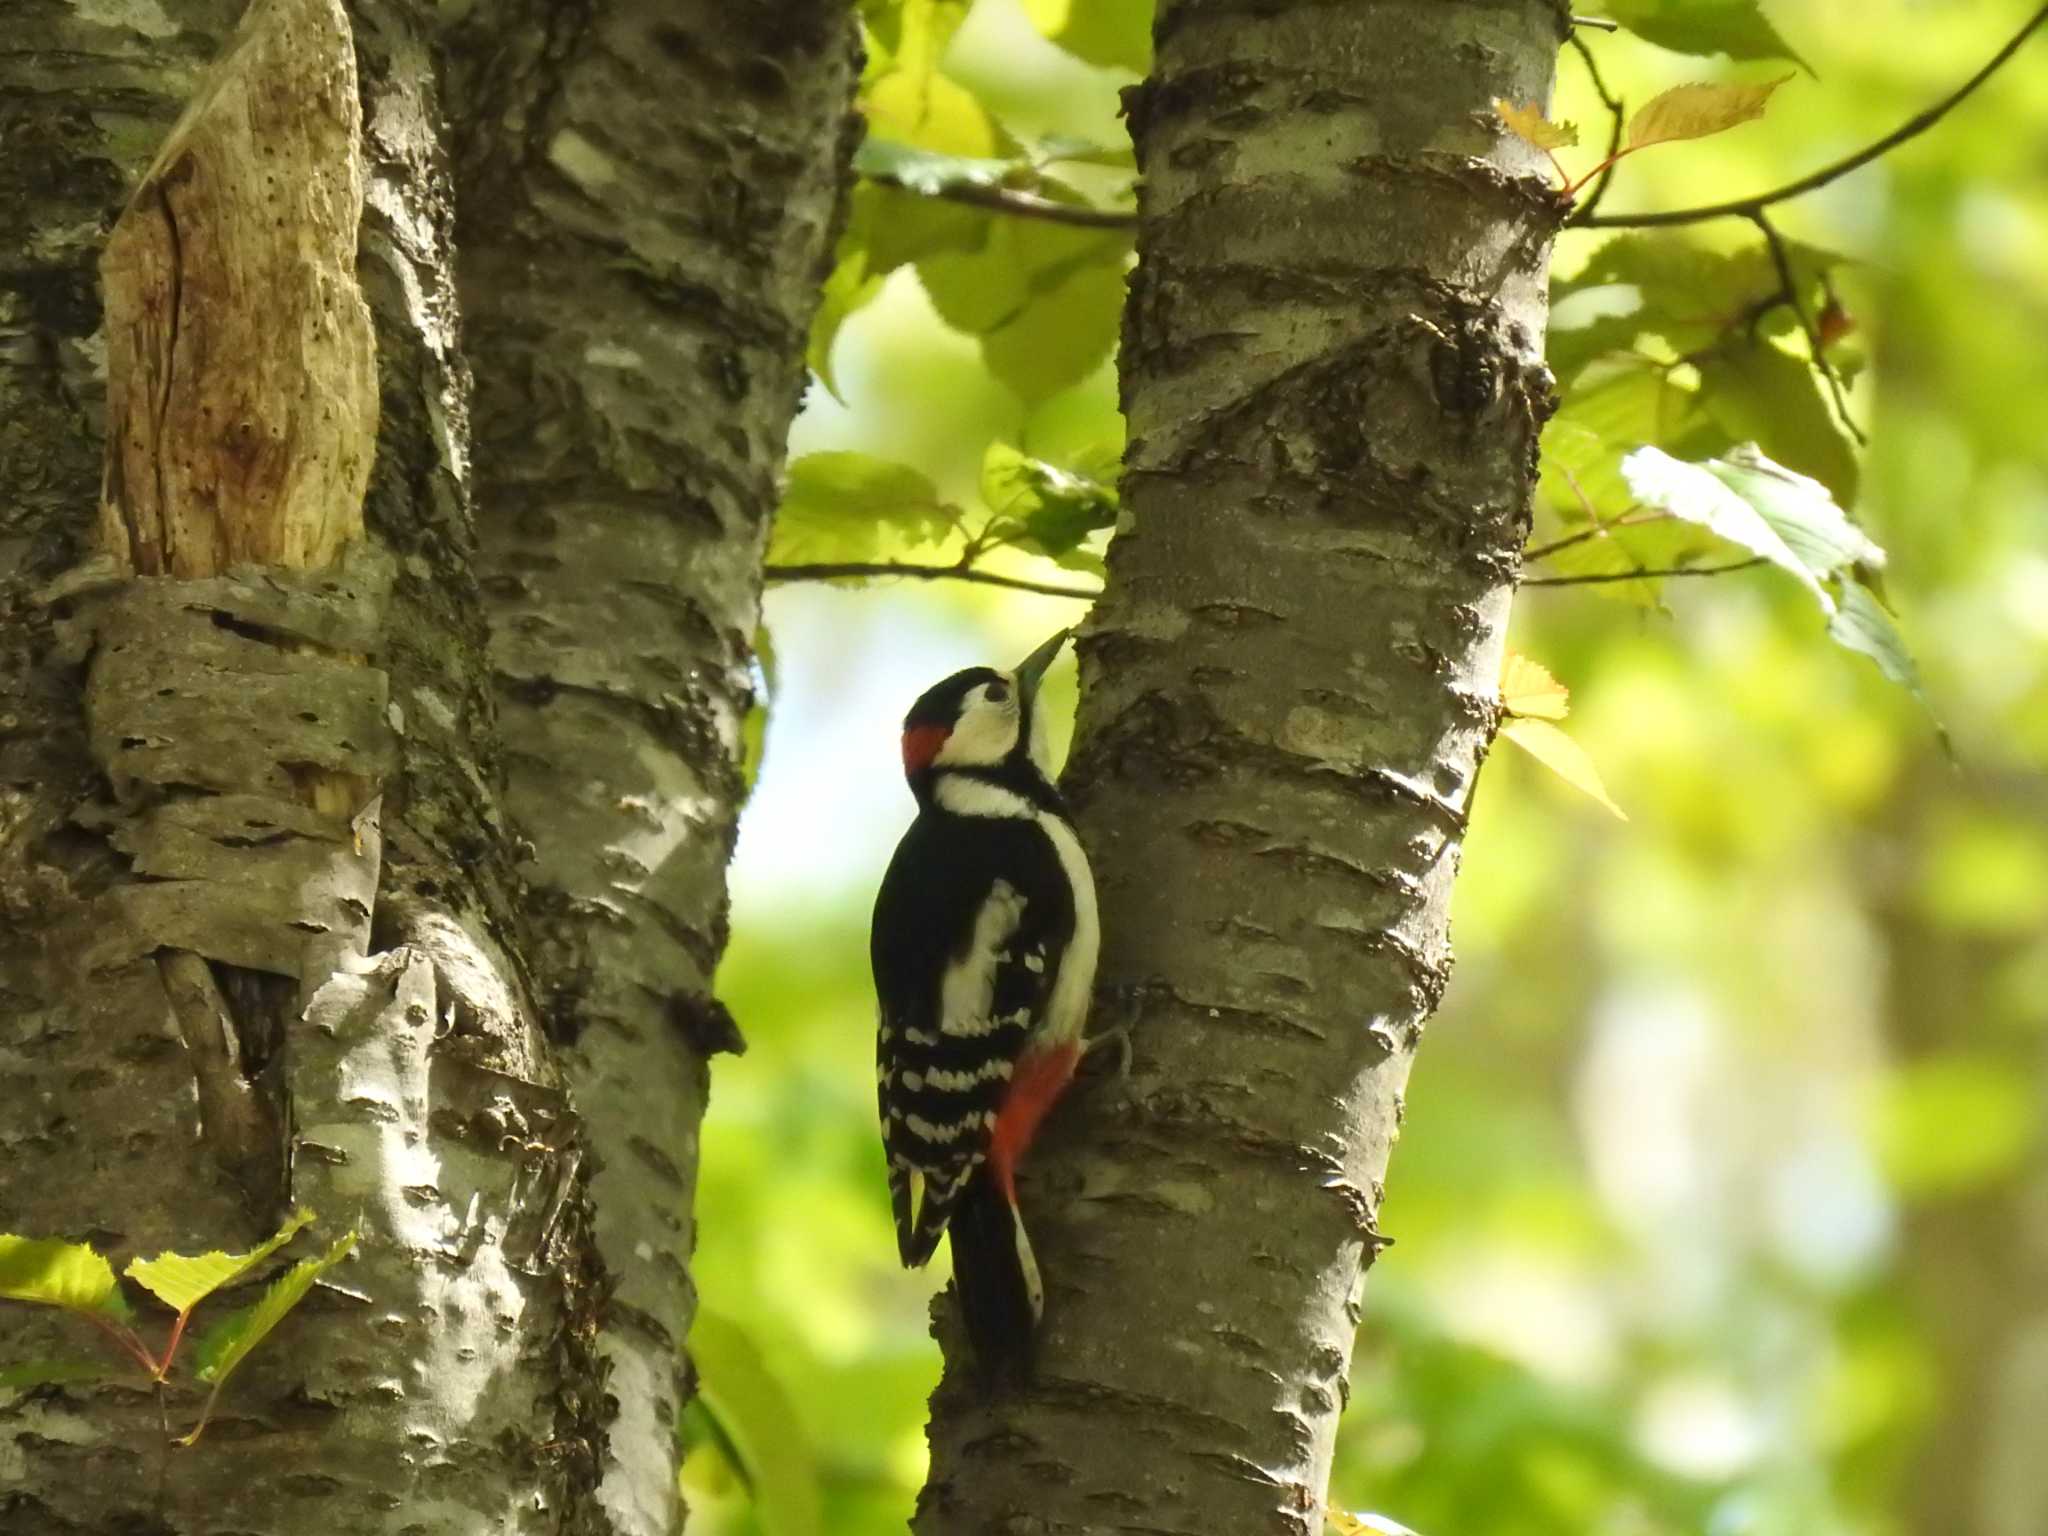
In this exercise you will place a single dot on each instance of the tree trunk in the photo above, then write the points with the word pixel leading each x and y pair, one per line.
pixel 1332 370
pixel 649 204
pixel 1975 1260
pixel 266 937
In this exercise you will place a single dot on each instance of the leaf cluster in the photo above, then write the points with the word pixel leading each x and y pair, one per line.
pixel 75 1278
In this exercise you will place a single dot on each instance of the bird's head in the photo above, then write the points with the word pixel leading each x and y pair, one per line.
pixel 983 719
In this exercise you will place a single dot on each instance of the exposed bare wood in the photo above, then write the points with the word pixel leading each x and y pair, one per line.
pixel 242 387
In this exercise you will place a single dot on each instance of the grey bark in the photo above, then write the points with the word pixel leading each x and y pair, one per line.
pixel 266 936
pixel 1333 379
pixel 254 959
pixel 649 199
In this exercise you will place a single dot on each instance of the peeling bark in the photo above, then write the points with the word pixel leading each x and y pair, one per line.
pixel 267 937
pixel 1332 374
pixel 263 894
pixel 648 197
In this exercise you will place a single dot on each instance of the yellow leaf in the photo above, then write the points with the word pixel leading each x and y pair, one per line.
pixel 1527 689
pixel 1694 111
pixel 1529 124
pixel 1345 1524
pixel 1562 756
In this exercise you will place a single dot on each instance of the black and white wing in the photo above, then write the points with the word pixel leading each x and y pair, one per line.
pixel 968 925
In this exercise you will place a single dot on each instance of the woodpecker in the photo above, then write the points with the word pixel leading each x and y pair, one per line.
pixel 984 945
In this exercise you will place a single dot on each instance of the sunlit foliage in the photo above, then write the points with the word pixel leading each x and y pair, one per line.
pixel 1710 1160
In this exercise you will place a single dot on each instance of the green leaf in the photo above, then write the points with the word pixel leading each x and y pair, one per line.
pixel 837 506
pixel 1758 392
pixel 892 228
pixel 1662 284
pixel 928 172
pixel 1794 523
pixel 912 35
pixel 979 290
pixel 1045 298
pixel 850 289
pixel 46 1373
pixel 1622 405
pixel 924 108
pixel 181 1281
pixel 756 1418
pixel 56 1274
pixel 1561 755
pixel 1695 494
pixel 1861 624
pixel 1737 28
pixel 1052 509
pixel 1057 341
pixel 1800 509
pixel 912 108
pixel 1020 263
pixel 229 1342
pixel 1111 34
pixel 1057 147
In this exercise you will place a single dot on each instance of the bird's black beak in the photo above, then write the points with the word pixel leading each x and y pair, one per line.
pixel 1031 670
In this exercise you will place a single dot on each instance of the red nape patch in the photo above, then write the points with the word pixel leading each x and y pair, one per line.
pixel 1041 1077
pixel 921 744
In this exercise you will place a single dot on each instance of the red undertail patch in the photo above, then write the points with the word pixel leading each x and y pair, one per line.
pixel 1041 1077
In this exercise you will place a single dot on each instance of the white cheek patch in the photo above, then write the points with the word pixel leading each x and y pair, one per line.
pixel 985 735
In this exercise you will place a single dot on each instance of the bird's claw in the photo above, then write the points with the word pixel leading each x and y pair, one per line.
pixel 1120 1037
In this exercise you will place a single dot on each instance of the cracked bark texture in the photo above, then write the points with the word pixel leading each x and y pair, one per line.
pixel 264 937
pixel 649 194
pixel 252 867
pixel 1333 379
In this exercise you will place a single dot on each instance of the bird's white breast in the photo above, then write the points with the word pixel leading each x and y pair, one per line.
pixel 1067 1011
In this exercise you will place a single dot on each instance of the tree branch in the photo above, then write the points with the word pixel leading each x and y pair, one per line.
pixel 1750 207
pixel 844 570
pixel 1019 204
pixel 1789 291
pixel 1616 114
pixel 1603 577
pixel 1626 520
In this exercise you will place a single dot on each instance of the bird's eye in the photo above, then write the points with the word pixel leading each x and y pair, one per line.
pixel 997 692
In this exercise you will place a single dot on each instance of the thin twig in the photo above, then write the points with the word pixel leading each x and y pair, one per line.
pixel 1600 578
pixel 1626 520
pixel 1021 204
pixel 1782 260
pixel 1616 114
pixel 848 569
pixel 1749 207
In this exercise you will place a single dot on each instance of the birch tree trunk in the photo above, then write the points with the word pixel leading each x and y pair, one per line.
pixel 649 205
pixel 1332 370
pixel 266 933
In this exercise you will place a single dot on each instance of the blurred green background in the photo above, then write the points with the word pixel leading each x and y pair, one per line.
pixel 1722 1204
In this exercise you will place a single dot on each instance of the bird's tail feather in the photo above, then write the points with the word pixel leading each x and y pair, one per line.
pixel 997 1278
